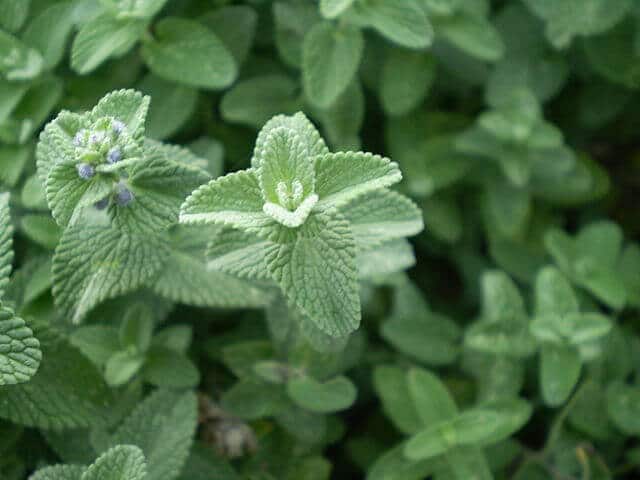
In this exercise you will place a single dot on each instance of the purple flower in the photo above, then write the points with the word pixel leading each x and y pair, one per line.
pixel 117 126
pixel 102 204
pixel 114 155
pixel 124 196
pixel 78 139
pixel 85 171
pixel 96 137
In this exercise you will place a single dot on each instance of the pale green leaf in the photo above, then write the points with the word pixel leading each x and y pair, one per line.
pixel 331 57
pixel 559 372
pixel 93 263
pixel 233 200
pixel 386 259
pixel 431 398
pixel 59 472
pixel 343 176
pixel 406 79
pixel 554 294
pixel 300 125
pixel 474 35
pixel 187 278
pixel 398 404
pixel 123 462
pixel 208 65
pixel 163 427
pixel 331 396
pixel 14 13
pixel 19 62
pixel 170 369
pixel 66 392
pixel 6 243
pixel 236 26
pixel 102 38
pixel 393 465
pixel 171 108
pixel 404 23
pixel 333 8
pixel 382 215
pixel 49 31
pixel 316 269
pixel 129 106
pixel 255 100
pixel 20 352
pixel 122 366
pixel 238 253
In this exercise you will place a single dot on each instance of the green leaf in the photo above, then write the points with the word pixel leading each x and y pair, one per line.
pixel 333 8
pixel 406 79
pixel 188 278
pixel 559 372
pixel 102 38
pixel 123 462
pixel 6 243
pixel 554 294
pixel 331 57
pixel 473 34
pixel 136 328
pixel 566 19
pixel 285 168
pixel 122 367
pixel 255 100
pixel 59 472
pixel 162 426
pixel 292 21
pixel 20 352
pixel 428 337
pixel 95 263
pixel 319 257
pixel 431 399
pixel 300 125
pixel 41 229
pixel 236 26
pixel 382 215
pixel 393 465
pixel 398 404
pixel 331 396
pixel 48 32
pixel 67 391
pixel 19 61
pixel 483 425
pixel 404 23
pixel 172 106
pixel 208 65
pixel 623 403
pixel 170 369
pixel 233 200
pixel 509 208
pixel 342 176
pixel 250 399
pixel 14 14
pixel 97 342
pixel 238 253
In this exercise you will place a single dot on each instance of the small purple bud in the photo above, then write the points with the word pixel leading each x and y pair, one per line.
pixel 117 126
pixel 102 204
pixel 96 137
pixel 114 155
pixel 77 139
pixel 124 196
pixel 85 171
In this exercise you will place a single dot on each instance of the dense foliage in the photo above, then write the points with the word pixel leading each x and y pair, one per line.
pixel 204 275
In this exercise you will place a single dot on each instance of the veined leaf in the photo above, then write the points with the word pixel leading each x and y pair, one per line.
pixel 319 257
pixel 208 65
pixel 6 243
pixel 331 57
pixel 124 462
pixel 20 353
pixel 59 472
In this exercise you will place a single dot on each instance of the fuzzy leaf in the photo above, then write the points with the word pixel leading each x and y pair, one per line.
pixel 559 372
pixel 331 57
pixel 59 472
pixel 382 215
pixel 398 404
pixel 316 269
pixel 19 62
pixel 20 352
pixel 208 65
pixel 6 243
pixel 162 426
pixel 233 200
pixel 332 396
pixel 124 462
pixel 341 177
pixel 94 263
pixel 102 38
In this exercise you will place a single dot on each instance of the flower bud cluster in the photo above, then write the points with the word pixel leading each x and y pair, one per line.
pixel 105 142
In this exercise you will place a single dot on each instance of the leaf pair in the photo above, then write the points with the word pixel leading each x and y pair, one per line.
pixel 305 213
pixel 419 404
pixel 567 336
